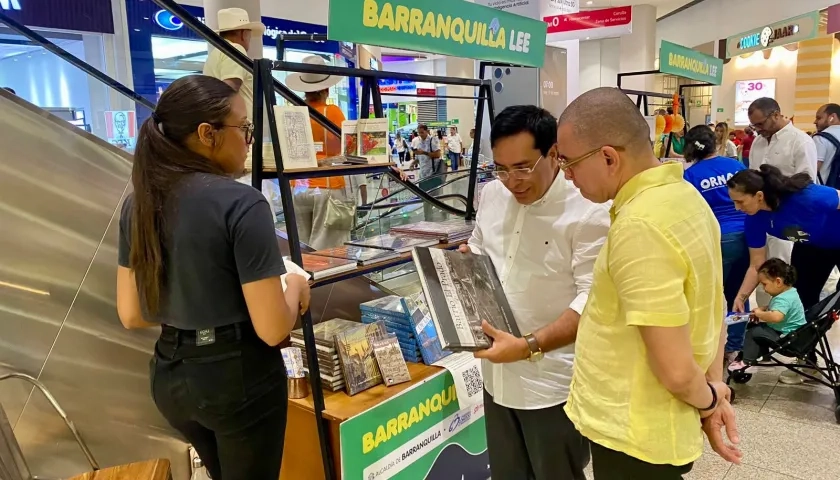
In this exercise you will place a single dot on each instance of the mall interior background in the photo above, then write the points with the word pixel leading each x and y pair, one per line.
pixel 125 39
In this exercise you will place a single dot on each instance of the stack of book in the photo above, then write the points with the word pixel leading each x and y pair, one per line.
pixel 332 378
pixel 320 267
pixel 407 319
pixel 448 231
pixel 362 256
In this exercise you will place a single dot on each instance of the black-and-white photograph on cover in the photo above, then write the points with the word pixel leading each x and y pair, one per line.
pixel 462 290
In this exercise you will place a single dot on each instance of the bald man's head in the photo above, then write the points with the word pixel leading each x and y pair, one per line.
pixel 607 116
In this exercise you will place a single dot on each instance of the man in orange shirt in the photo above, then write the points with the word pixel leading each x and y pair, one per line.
pixel 312 195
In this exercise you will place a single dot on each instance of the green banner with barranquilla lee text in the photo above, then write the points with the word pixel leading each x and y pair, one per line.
pixel 456 28
pixel 685 62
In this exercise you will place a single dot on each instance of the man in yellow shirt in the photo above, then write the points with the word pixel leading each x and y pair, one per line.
pixel 649 348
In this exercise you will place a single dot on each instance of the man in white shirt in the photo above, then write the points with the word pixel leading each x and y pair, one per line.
pixel 456 147
pixel 827 122
pixel 779 142
pixel 485 152
pixel 543 238
pixel 235 27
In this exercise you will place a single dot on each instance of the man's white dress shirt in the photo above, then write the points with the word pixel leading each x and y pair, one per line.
pixel 790 149
pixel 544 254
pixel 826 151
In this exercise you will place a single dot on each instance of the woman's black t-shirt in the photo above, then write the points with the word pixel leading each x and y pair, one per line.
pixel 220 235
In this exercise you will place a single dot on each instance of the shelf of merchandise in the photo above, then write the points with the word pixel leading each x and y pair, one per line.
pixel 327 430
pixel 373 267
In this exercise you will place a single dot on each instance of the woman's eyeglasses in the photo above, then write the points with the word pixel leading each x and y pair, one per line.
pixel 248 128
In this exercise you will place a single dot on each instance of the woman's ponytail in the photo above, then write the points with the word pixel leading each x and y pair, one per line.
pixel 778 186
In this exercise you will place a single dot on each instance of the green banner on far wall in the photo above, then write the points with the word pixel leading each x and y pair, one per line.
pixel 456 28
pixel 685 62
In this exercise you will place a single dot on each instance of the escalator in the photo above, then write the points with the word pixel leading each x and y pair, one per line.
pixel 61 187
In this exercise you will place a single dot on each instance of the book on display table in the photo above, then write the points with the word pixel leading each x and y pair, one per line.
pixel 362 256
pixel 395 243
pixel 358 362
pixel 462 290
pixel 329 363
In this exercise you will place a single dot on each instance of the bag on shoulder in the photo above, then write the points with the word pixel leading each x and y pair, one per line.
pixel 833 179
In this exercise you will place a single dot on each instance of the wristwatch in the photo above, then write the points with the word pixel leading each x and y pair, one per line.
pixel 534 346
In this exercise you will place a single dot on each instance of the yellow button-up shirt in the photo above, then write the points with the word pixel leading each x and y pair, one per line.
pixel 660 266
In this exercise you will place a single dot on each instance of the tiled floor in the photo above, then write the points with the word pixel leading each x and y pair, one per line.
pixel 787 432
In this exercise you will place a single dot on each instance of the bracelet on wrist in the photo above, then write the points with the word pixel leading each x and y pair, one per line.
pixel 714 399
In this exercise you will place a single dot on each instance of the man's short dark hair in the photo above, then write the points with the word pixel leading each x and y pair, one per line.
pixel 765 105
pixel 422 126
pixel 832 109
pixel 526 119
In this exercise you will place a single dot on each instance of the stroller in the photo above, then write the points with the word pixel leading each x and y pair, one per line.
pixel 808 344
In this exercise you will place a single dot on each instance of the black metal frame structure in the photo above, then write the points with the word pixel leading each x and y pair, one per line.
pixel 642 97
pixel 265 100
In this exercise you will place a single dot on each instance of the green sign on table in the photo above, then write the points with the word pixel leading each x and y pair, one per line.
pixel 421 433
pixel 456 28
pixel 685 62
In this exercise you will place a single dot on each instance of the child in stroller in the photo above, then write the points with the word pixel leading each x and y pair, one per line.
pixel 768 325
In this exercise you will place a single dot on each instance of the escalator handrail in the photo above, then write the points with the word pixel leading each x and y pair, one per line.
pixel 400 190
pixel 75 61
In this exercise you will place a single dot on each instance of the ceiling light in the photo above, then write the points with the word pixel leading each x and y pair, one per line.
pixel 590 2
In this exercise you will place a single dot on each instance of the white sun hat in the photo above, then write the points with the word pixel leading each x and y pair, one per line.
pixel 312 82
pixel 237 19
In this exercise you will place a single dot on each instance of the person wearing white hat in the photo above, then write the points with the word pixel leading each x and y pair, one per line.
pixel 317 226
pixel 236 28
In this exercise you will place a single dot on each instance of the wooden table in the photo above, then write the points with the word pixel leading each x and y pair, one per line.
pixel 150 470
pixel 302 451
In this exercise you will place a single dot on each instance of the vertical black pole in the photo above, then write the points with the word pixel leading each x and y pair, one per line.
pixel 259 108
pixel 294 249
pixel 645 102
pixel 483 91
pixel 365 109
pixel 376 96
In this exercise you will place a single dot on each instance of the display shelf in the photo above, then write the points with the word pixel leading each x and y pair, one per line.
pixel 339 406
pixel 364 269
pixel 328 171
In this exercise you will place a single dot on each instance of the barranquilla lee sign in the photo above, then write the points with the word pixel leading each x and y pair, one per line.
pixel 422 433
pixel 456 28
pixel 685 62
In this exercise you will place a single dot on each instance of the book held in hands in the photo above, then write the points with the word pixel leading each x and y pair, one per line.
pixel 462 290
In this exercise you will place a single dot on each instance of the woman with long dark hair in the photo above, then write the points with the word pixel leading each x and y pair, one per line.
pixel 708 171
pixel 198 256
pixel 790 208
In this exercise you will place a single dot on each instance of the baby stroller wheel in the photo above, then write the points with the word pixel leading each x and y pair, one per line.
pixel 741 377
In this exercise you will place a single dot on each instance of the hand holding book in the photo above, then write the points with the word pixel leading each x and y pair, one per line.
pixel 505 348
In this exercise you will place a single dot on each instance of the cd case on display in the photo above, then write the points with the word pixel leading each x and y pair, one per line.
pixel 390 359
pixel 462 290
pixel 425 330
pixel 358 362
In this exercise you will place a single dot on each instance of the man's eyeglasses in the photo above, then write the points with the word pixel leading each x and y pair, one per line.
pixel 516 173
pixel 565 163
pixel 761 124
pixel 248 128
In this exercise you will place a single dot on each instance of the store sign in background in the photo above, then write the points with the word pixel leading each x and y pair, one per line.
pixel 685 62
pixel 165 24
pixel 803 27
pixel 457 28
pixel 535 9
pixel 833 14
pixel 746 92
pixel 420 434
pixel 591 24
pixel 80 15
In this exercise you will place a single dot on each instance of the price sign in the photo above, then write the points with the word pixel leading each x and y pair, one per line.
pixel 746 92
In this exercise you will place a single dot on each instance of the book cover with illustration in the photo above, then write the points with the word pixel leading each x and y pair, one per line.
pixel 358 361
pixel 390 359
pixel 425 330
pixel 373 140
pixel 462 290
pixel 349 138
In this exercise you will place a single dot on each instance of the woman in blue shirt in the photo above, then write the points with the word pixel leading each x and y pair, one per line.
pixel 791 208
pixel 709 172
